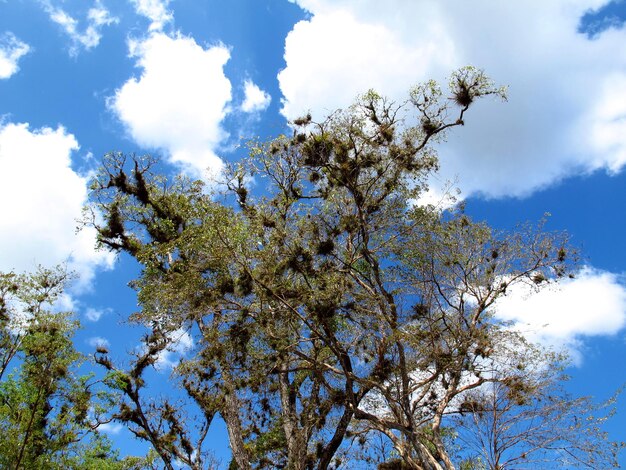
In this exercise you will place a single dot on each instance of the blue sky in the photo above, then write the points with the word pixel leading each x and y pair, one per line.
pixel 192 80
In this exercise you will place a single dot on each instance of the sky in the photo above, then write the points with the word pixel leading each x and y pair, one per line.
pixel 191 81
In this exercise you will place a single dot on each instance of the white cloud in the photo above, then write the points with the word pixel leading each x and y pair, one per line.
pixel 100 16
pixel 96 341
pixel 42 199
pixel 65 303
pixel 255 99
pixel 94 314
pixel 336 55
pixel 591 304
pixel 110 428
pixel 607 122
pixel 180 342
pixel 179 101
pixel 97 17
pixel 11 50
pixel 565 115
pixel 156 11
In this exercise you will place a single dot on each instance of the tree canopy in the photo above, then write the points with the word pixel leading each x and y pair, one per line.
pixel 49 413
pixel 330 310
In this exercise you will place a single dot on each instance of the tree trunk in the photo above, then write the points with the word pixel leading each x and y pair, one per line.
pixel 296 441
pixel 230 413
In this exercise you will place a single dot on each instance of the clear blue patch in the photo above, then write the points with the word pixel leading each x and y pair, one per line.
pixel 595 22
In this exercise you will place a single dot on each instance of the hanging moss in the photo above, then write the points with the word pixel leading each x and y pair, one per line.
pixel 245 284
pixel 420 310
pixel 325 247
pixel 141 188
pixel 383 369
pixel 324 310
pixel 225 284
pixel 120 181
pixel 314 177
pixel 429 127
pixel 242 194
pixel 300 261
pixel 303 121
pixel 317 151
pixel 387 133
pixel 268 223
pixel 342 152
pixel 115 226
pixel 349 223
pixel 463 96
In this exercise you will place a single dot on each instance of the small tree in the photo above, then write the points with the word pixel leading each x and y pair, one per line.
pixel 47 411
pixel 525 419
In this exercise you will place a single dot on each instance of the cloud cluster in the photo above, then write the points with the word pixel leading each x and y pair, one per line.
pixel 156 11
pixel 97 17
pixel 110 428
pixel 566 113
pixel 11 50
pixel 255 99
pixel 94 314
pixel 591 304
pixel 98 341
pixel 179 100
pixel 43 198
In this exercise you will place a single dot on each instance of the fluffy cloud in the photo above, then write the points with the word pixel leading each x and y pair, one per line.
pixel 110 428
pixel 566 113
pixel 179 101
pixel 96 341
pixel 94 314
pixel 593 303
pixel 42 199
pixel 255 99
pixel 11 50
pixel 156 11
pixel 97 17
pixel 336 55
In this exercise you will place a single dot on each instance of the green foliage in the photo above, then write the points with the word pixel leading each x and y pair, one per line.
pixel 117 380
pixel 46 410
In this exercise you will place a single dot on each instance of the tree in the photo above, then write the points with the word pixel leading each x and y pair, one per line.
pixel 48 414
pixel 325 304
pixel 524 418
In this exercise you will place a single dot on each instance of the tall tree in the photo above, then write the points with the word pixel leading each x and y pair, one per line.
pixel 326 304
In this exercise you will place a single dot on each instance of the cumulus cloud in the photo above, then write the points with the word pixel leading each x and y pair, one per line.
pixel 42 199
pixel 591 304
pixel 11 50
pixel 336 55
pixel 110 428
pixel 156 11
pixel 565 115
pixel 255 99
pixel 97 341
pixel 94 314
pixel 178 102
pixel 97 17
